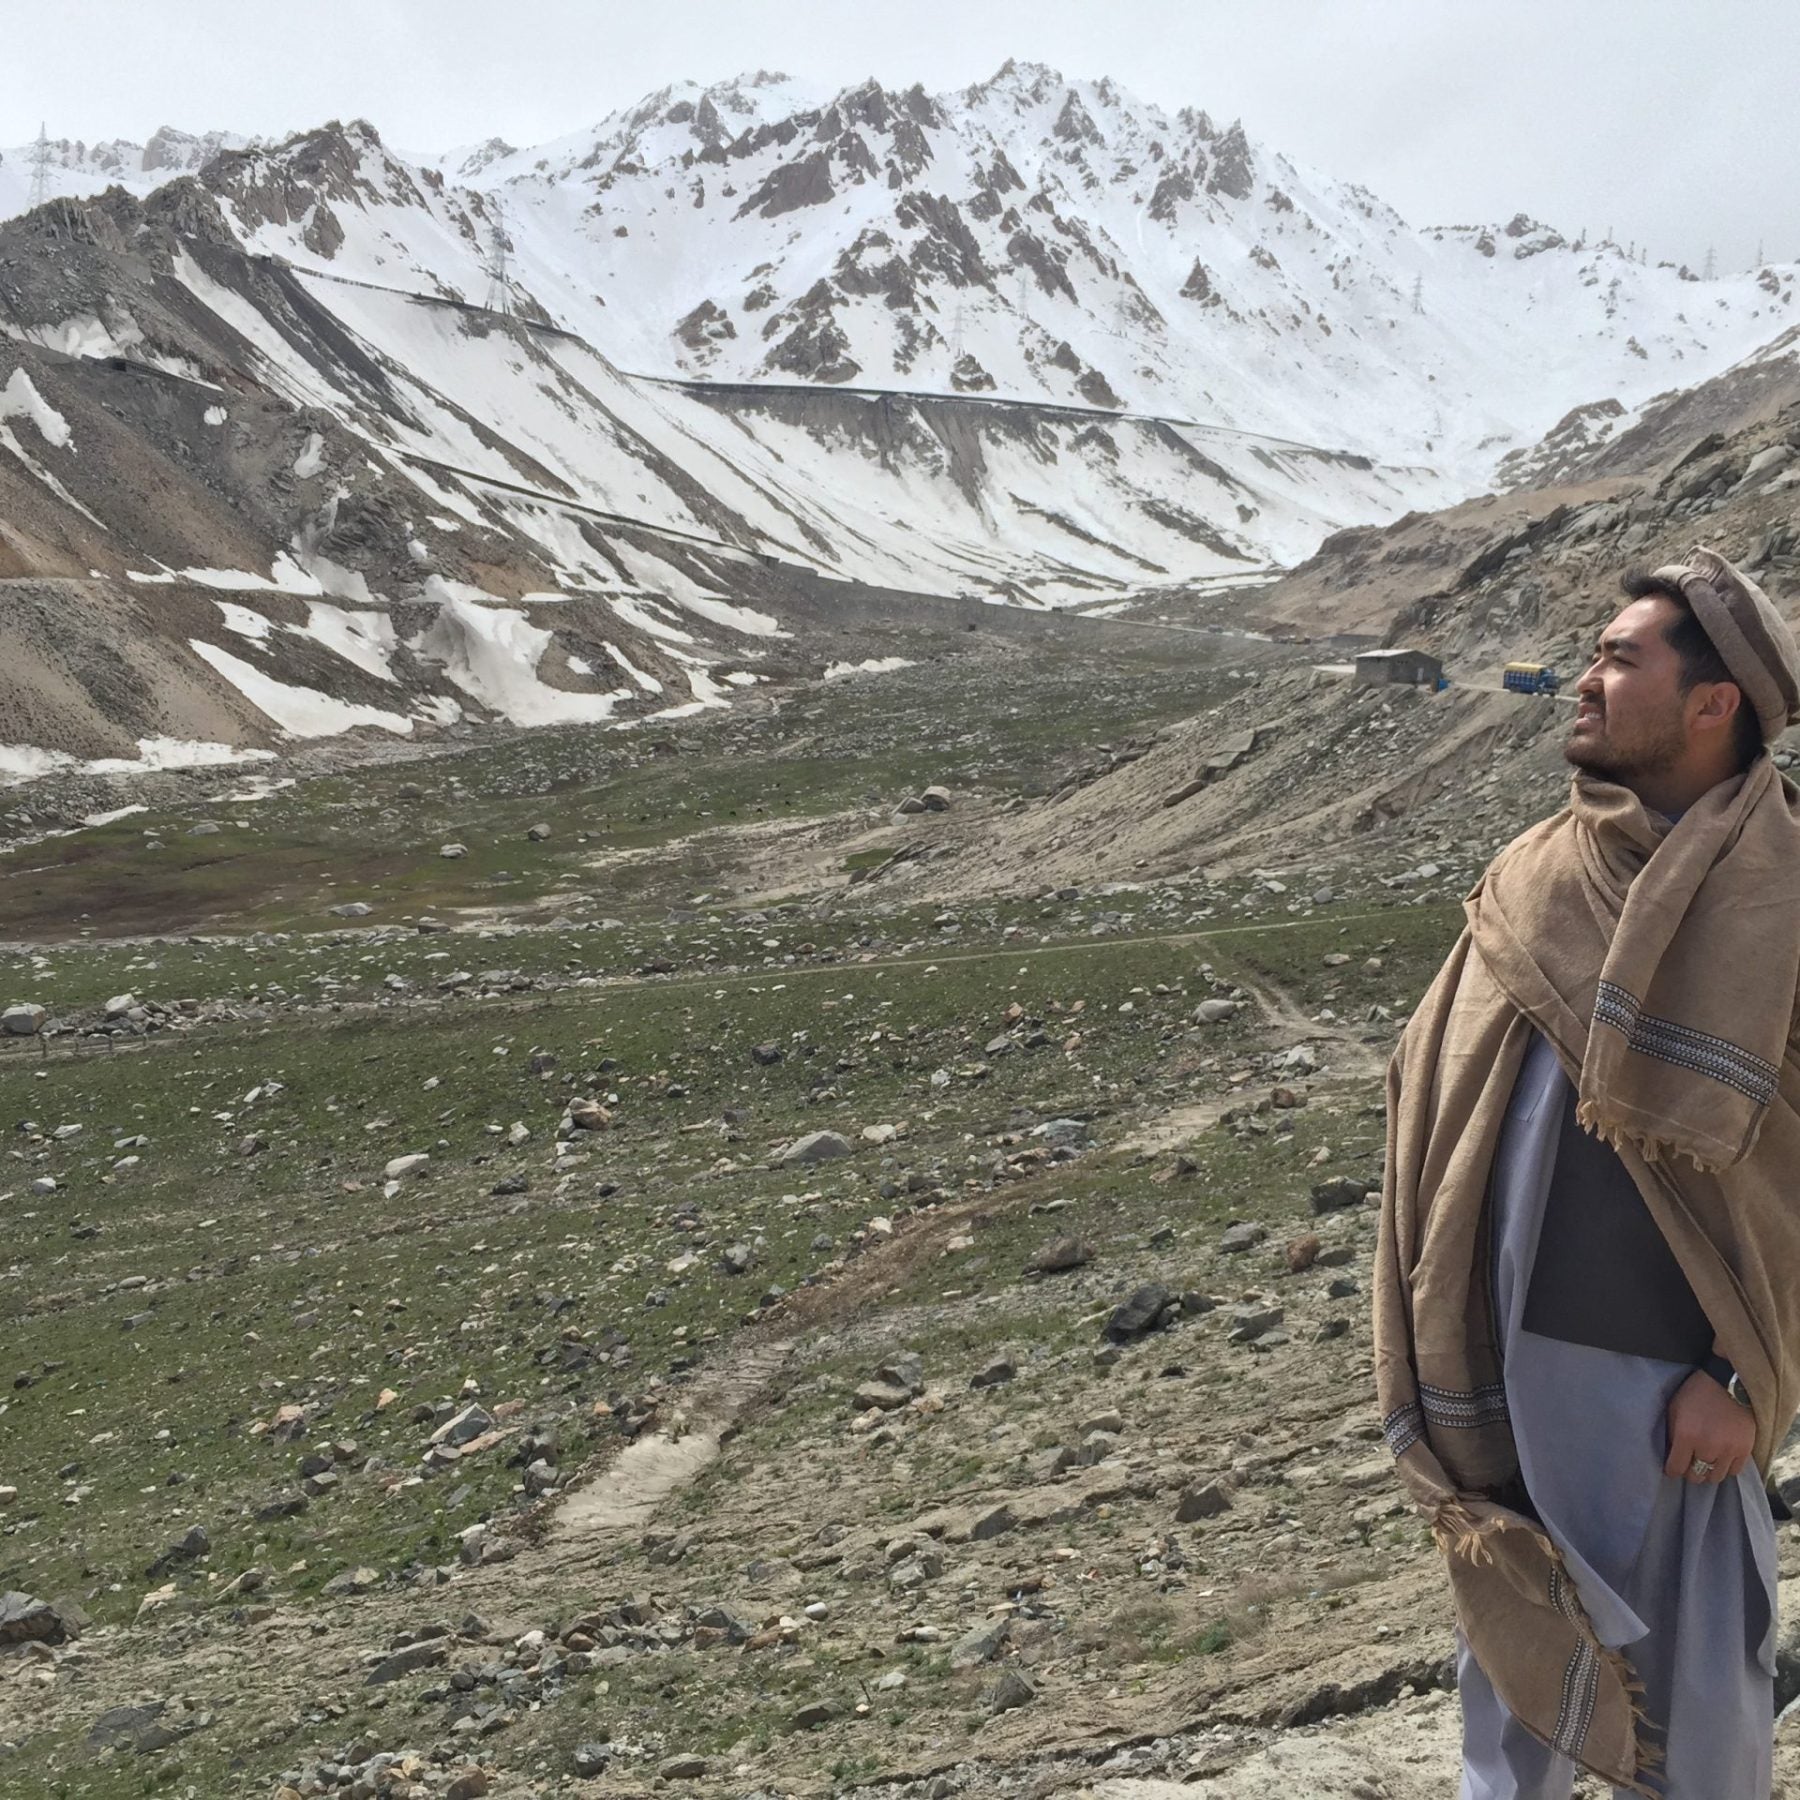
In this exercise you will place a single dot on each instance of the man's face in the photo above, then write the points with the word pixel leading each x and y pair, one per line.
pixel 1630 715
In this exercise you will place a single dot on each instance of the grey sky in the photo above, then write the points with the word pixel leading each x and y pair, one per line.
pixel 1668 120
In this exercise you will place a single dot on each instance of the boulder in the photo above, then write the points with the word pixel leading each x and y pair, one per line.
pixel 24 1020
pixel 24 1620
pixel 1061 1255
pixel 1205 1502
pixel 816 1147
pixel 1140 1312
pixel 1338 1192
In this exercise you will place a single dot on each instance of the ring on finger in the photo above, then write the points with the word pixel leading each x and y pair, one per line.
pixel 1701 1468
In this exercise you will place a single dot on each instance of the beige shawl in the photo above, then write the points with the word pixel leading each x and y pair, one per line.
pixel 1662 963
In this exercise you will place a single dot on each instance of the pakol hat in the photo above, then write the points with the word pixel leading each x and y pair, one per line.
pixel 1753 640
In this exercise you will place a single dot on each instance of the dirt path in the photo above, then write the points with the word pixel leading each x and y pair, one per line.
pixel 1351 1061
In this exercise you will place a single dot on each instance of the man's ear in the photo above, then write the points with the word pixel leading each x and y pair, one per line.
pixel 1719 706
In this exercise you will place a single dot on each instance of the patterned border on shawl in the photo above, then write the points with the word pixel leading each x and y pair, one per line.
pixel 1581 1678
pixel 1403 1428
pixel 1446 1408
pixel 1685 1047
pixel 1456 1411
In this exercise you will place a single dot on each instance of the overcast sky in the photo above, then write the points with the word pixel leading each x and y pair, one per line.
pixel 1671 121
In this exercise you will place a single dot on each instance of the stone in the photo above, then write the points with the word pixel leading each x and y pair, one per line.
pixel 591 1759
pixel 1205 1502
pixel 472 1422
pixel 1248 1323
pixel 996 1522
pixel 814 1714
pixel 1061 1255
pixel 996 1374
pixel 684 1768
pixel 1245 1235
pixel 25 1020
pixel 1047 1465
pixel 399 1167
pixel 909 807
pixel 935 799
pixel 816 1147
pixel 119 1005
pixel 190 1547
pixel 538 833
pixel 453 852
pixel 1138 1313
pixel 981 1645
pixel 1302 1253
pixel 351 909
pixel 882 1396
pixel 24 1620
pixel 736 1259
pixel 1337 1193
pixel 1214 1012
pixel 1010 1692
pixel 467 1784
pixel 908 1368
pixel 359 1580
pixel 405 1662
pixel 766 1056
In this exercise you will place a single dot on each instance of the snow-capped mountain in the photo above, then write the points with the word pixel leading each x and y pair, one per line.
pixel 74 169
pixel 720 388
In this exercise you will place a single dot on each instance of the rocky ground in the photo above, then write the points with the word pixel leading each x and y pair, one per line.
pixel 824 1251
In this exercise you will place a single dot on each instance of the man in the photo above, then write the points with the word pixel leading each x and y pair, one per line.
pixel 1587 1305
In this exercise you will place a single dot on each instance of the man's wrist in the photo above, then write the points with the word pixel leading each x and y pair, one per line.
pixel 1727 1377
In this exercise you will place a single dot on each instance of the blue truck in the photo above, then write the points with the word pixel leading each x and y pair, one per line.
pixel 1530 678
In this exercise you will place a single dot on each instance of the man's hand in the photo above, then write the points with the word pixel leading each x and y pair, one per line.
pixel 1705 1422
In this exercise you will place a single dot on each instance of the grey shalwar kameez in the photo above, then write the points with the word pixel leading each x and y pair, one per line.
pixel 1679 1576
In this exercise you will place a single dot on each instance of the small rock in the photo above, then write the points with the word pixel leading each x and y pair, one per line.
pixel 981 1645
pixel 453 852
pixel 814 1714
pixel 1011 1691
pixel 1139 1312
pixel 402 1166
pixel 1060 1255
pixel 1248 1323
pixel 1245 1235
pixel 592 1759
pixel 24 1620
pixel 996 1374
pixel 1205 1502
pixel 1214 1012
pixel 1338 1192
pixel 467 1784
pixel 816 1147
pixel 683 1768
pixel 996 1522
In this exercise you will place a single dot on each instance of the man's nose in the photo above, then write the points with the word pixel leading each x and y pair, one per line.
pixel 1590 685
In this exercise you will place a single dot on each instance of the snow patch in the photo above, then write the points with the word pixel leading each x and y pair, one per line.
pixel 19 399
pixel 215 415
pixel 243 621
pixel 299 711
pixel 311 459
pixel 492 653
pixel 876 665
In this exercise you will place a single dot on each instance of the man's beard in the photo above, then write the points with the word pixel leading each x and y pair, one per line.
pixel 1653 747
